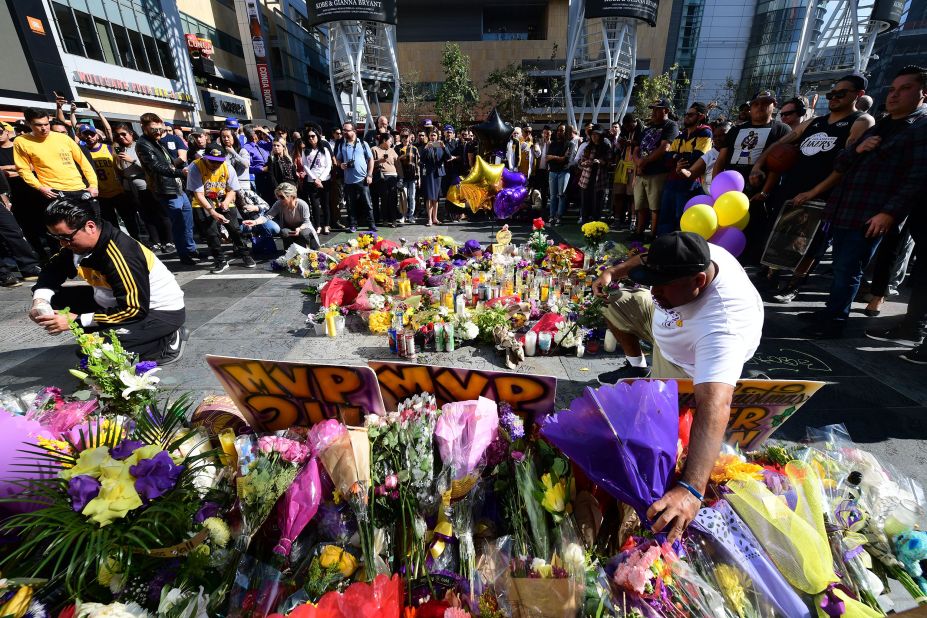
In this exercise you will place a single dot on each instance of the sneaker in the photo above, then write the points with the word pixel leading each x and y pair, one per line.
pixel 248 262
pixel 189 260
pixel 31 275
pixel 373 228
pixel 155 247
pixel 628 371
pixel 784 297
pixel 168 247
pixel 918 355
pixel 402 220
pixel 353 229
pixel 9 280
pixel 898 334
pixel 219 266
pixel 175 349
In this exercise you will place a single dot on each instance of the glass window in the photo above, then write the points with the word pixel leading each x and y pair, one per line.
pixel 106 40
pixel 138 49
pixel 151 49
pixel 68 27
pixel 88 35
pixel 167 62
pixel 123 46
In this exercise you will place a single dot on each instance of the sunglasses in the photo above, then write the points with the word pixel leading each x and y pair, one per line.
pixel 67 238
pixel 838 94
pixel 790 113
pixel 312 135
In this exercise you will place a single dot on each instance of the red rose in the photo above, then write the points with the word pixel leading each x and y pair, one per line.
pixel 68 612
pixel 538 224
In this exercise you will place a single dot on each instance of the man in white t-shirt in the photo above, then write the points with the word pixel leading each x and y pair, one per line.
pixel 704 319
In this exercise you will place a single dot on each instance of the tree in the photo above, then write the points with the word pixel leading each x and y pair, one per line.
pixel 511 91
pixel 457 94
pixel 411 97
pixel 649 89
pixel 725 102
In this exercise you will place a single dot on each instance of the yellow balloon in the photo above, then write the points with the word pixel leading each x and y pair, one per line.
pixel 484 172
pixel 731 207
pixel 700 219
pixel 742 224
pixel 453 196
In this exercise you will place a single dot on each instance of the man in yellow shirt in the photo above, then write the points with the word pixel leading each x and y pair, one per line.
pixel 52 163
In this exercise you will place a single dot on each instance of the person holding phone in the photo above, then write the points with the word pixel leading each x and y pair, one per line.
pixel 53 164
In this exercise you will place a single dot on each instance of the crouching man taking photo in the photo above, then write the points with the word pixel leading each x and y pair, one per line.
pixel 130 291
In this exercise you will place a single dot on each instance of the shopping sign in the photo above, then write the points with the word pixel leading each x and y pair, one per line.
pixel 274 395
pixel 531 396
pixel 759 407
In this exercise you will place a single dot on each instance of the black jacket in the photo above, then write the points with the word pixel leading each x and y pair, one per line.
pixel 163 177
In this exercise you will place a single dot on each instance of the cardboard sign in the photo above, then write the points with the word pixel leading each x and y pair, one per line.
pixel 529 395
pixel 759 407
pixel 275 395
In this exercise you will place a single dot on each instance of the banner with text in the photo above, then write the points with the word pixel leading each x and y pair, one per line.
pixel 644 10
pixel 759 407
pixel 529 395
pixel 274 395
pixel 321 11
pixel 256 29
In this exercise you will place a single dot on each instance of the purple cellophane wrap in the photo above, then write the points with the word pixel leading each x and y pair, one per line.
pixel 634 466
pixel 720 523
pixel 299 505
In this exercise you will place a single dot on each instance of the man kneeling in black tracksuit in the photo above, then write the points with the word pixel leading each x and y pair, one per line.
pixel 130 290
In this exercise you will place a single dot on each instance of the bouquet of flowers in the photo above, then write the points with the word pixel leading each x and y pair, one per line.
pixel 595 233
pixel 268 465
pixel 559 259
pixel 117 500
pixel 122 384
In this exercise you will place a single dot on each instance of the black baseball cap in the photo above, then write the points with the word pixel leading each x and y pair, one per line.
pixel 214 152
pixel 661 103
pixel 764 94
pixel 672 256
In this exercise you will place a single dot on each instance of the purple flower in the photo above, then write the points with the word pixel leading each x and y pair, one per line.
pixel 458 263
pixel 209 509
pixel 512 424
pixel 82 489
pixel 471 246
pixel 144 366
pixel 333 524
pixel 124 449
pixel 518 456
pixel 156 476
pixel 83 363
pixel 496 452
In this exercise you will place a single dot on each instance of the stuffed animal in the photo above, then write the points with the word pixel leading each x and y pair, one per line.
pixel 911 549
pixel 507 343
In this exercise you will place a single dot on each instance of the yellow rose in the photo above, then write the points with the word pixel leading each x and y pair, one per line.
pixel 335 556
pixel 116 498
pixel 88 462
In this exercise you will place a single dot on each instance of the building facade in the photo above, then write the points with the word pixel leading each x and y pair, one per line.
pixel 497 33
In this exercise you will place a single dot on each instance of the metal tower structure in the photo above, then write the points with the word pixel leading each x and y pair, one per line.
pixel 848 30
pixel 363 70
pixel 601 56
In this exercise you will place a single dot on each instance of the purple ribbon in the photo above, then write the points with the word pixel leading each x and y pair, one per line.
pixel 831 604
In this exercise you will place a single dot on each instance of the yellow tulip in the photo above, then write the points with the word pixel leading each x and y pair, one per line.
pixel 554 495
pixel 18 605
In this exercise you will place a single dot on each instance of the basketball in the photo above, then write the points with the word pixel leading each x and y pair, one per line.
pixel 781 157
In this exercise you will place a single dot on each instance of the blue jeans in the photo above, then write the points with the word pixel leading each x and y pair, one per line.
pixel 409 184
pixel 268 228
pixel 558 182
pixel 180 213
pixel 357 197
pixel 672 202
pixel 852 252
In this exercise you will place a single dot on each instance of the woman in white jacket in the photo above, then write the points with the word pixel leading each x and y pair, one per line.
pixel 317 164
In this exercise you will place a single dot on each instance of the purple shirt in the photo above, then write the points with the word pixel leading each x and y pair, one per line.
pixel 260 154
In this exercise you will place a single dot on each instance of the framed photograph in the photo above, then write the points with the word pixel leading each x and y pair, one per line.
pixel 791 236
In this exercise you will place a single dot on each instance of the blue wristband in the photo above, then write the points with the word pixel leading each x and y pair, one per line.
pixel 691 490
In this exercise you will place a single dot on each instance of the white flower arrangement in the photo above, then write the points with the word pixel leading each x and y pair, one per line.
pixel 377 301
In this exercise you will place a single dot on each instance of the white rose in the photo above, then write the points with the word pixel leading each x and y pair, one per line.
pixel 113 610
pixel 537 563
pixel 469 330
pixel 574 558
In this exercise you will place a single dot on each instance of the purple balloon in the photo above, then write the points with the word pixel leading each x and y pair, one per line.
pixel 508 201
pixel 731 239
pixel 699 199
pixel 726 181
pixel 512 179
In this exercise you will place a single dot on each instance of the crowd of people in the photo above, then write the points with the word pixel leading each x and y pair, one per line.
pixel 245 185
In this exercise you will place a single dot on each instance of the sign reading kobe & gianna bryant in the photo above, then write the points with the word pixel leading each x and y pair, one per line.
pixel 644 10
pixel 321 11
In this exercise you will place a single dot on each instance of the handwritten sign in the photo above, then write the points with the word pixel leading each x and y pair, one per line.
pixel 274 395
pixel 529 395
pixel 759 407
